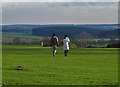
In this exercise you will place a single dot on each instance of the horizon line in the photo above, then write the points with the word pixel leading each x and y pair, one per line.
pixel 60 24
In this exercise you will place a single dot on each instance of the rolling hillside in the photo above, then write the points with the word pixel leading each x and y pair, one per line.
pixel 96 30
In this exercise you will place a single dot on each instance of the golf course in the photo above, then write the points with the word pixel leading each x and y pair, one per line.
pixel 82 66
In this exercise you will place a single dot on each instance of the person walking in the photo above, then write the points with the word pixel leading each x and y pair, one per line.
pixel 66 42
pixel 54 43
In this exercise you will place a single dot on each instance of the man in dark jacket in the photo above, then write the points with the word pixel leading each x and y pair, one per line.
pixel 54 42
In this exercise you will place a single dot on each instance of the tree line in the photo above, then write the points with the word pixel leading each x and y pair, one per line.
pixel 78 42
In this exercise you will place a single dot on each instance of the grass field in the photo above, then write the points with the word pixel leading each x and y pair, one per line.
pixel 96 66
pixel 9 36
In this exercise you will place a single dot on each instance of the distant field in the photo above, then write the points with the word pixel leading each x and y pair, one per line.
pixel 9 36
pixel 96 66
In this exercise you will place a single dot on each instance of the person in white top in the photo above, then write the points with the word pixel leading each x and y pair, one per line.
pixel 66 42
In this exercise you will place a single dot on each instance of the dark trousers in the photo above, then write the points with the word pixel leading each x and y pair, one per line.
pixel 65 52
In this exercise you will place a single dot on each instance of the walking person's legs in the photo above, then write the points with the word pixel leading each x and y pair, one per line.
pixel 54 49
pixel 65 52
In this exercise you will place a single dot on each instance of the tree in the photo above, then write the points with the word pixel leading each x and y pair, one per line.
pixel 35 41
pixel 84 36
pixel 16 40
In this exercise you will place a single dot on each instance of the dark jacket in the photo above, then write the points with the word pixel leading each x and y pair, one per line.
pixel 54 40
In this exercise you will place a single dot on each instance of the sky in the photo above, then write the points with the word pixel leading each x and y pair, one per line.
pixel 59 0
pixel 61 12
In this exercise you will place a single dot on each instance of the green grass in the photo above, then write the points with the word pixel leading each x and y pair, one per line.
pixel 97 66
pixel 9 36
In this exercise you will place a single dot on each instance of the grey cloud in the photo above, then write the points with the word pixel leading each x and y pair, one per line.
pixel 60 0
pixel 55 12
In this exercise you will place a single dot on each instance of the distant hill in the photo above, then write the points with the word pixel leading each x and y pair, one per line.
pixel 17 28
pixel 60 29
pixel 110 33
pixel 73 30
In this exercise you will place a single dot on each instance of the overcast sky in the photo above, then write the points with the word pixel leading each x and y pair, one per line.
pixel 59 12
pixel 59 0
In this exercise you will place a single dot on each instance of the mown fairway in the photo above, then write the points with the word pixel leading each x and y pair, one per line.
pixel 96 66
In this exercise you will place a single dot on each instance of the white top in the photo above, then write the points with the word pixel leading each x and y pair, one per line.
pixel 66 43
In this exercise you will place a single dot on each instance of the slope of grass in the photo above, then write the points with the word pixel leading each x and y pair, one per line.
pixel 80 67
pixel 9 36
